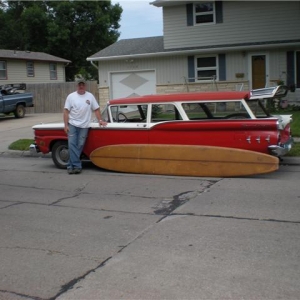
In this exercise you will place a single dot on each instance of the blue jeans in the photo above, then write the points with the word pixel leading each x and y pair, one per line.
pixel 76 141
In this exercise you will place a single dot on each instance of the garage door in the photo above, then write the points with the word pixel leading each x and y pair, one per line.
pixel 129 84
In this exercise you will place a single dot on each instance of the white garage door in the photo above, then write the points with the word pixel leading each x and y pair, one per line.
pixel 129 84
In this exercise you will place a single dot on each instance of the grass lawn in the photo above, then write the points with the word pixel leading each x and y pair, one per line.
pixel 295 125
pixel 295 151
pixel 22 145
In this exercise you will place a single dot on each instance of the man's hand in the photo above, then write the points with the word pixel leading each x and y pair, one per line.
pixel 66 130
pixel 102 123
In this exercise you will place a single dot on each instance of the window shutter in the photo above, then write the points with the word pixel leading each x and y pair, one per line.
pixel 298 69
pixel 191 69
pixel 290 64
pixel 222 67
pixel 190 14
pixel 219 11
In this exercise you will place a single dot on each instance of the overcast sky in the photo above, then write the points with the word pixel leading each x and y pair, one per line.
pixel 139 19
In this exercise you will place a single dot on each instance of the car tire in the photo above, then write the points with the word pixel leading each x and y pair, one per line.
pixel 20 111
pixel 60 154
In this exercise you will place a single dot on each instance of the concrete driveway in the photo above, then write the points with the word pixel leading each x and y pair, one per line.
pixel 13 129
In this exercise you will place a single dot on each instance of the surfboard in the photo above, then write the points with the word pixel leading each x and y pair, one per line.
pixel 178 160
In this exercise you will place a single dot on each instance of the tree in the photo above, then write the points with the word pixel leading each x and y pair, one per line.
pixel 73 30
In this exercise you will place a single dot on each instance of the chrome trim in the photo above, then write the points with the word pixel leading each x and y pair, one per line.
pixel 270 92
pixel 248 139
pixel 280 150
pixel 34 149
pixel 258 139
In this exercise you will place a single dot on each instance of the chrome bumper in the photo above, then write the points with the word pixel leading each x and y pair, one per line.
pixel 280 150
pixel 34 149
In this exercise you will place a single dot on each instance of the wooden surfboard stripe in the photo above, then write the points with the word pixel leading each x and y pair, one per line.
pixel 183 160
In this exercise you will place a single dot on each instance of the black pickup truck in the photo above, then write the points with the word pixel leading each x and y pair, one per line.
pixel 13 99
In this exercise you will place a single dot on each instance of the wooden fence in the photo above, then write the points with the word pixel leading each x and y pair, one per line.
pixel 51 97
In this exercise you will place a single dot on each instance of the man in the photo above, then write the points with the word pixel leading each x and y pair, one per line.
pixel 78 110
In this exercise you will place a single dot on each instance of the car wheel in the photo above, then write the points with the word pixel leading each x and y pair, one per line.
pixel 60 154
pixel 20 111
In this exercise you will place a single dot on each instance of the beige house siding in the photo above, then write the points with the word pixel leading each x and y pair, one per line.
pixel 265 21
pixel 17 72
pixel 238 62
pixel 256 26
pixel 168 69
pixel 174 69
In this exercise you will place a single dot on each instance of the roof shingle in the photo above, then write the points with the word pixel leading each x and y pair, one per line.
pixel 135 46
pixel 27 55
pixel 155 45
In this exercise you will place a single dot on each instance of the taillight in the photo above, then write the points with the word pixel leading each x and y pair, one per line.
pixel 285 134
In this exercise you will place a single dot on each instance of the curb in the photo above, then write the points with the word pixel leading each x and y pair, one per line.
pixel 17 153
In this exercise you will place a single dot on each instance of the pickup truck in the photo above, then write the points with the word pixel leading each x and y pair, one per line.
pixel 14 100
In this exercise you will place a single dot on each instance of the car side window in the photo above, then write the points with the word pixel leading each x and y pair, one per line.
pixel 129 113
pixel 215 110
pixel 197 111
pixel 164 112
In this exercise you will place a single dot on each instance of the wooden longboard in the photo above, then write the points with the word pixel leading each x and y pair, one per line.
pixel 203 161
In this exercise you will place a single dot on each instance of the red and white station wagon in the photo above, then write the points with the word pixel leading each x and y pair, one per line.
pixel 236 120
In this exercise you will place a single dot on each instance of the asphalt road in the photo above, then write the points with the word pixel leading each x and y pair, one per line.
pixel 104 235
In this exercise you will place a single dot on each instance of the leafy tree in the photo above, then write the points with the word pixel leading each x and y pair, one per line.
pixel 72 30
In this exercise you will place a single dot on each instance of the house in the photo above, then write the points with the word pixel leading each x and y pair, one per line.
pixel 31 67
pixel 209 45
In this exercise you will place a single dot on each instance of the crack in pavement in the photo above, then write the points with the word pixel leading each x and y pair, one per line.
pixel 70 284
pixel 167 206
pixel 236 218
pixel 21 295
pixel 77 192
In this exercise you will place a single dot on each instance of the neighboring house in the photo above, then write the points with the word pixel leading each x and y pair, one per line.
pixel 31 67
pixel 223 45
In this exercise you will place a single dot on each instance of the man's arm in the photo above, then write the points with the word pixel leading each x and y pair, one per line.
pixel 98 116
pixel 66 120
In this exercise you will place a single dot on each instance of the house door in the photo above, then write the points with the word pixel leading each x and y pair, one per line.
pixel 258 71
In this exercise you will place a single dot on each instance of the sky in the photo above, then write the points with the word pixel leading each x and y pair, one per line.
pixel 139 19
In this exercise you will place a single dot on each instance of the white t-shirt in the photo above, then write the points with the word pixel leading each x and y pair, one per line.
pixel 81 108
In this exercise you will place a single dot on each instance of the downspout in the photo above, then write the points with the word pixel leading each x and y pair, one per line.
pixel 94 65
pixel 97 67
pixel 65 71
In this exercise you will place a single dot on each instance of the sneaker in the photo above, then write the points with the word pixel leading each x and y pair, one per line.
pixel 77 171
pixel 71 171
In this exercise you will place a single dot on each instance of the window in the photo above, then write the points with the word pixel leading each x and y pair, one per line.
pixel 204 12
pixel 30 68
pixel 53 71
pixel 164 112
pixel 3 74
pixel 216 110
pixel 206 68
pixel 129 113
